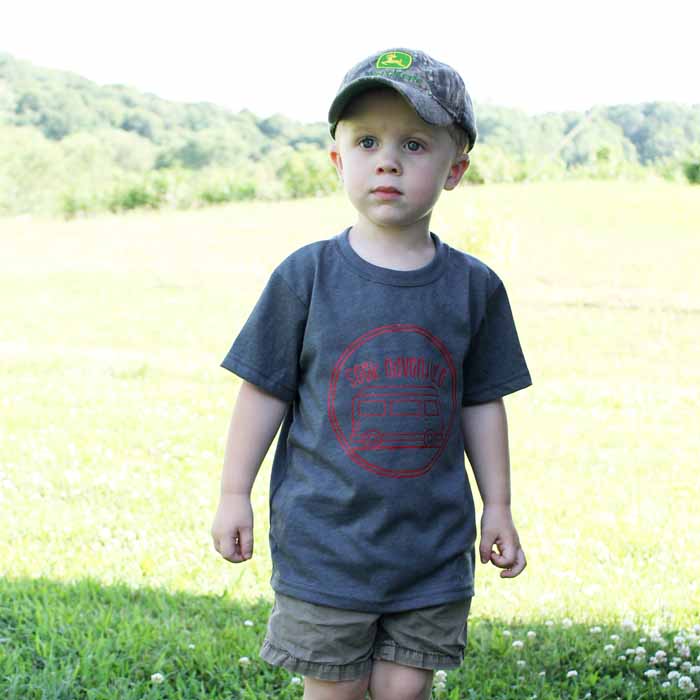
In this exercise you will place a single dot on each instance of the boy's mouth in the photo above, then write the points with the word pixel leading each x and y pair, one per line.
pixel 386 192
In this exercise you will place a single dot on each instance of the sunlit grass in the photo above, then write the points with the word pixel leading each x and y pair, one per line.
pixel 114 413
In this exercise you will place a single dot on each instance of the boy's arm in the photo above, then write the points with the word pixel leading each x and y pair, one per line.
pixel 255 421
pixel 485 434
pixel 256 418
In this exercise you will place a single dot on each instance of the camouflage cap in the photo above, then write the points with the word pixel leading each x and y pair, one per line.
pixel 435 90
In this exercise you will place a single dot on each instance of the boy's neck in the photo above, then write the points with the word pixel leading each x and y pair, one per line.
pixel 399 248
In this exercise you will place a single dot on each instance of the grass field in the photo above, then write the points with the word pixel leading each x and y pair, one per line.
pixel 114 414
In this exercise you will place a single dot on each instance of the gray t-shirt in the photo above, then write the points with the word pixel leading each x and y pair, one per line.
pixel 370 503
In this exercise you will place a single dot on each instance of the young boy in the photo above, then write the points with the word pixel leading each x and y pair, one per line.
pixel 385 354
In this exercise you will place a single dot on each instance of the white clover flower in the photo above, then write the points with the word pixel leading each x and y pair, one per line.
pixel 695 669
pixel 696 629
pixel 684 651
pixel 517 644
pixel 572 674
pixel 629 652
pixel 440 685
pixel 678 640
pixel 531 634
pixel 248 623
pixel 594 630
pixel 440 675
pixel 506 633
pixel 640 650
pixel 660 656
pixel 566 622
pixel 542 673
pixel 157 678
pixel 651 673
pixel 297 680
pixel 685 666
pixel 622 657
pixel 190 646
pixel 549 623
pixel 673 675
pixel 608 648
pixel 520 663
pixel 686 683
pixel 244 661
pixel 665 684
pixel 615 637
pixel 639 659
pixel 628 625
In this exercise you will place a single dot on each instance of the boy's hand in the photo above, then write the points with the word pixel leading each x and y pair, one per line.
pixel 497 528
pixel 232 529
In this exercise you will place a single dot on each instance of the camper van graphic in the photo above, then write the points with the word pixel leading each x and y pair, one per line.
pixel 392 400
pixel 396 417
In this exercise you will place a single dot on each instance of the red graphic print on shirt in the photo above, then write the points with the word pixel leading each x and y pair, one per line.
pixel 392 400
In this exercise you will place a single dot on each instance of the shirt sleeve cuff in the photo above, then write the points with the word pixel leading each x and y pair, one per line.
pixel 252 375
pixel 490 393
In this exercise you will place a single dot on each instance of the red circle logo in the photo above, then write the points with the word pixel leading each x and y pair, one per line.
pixel 392 399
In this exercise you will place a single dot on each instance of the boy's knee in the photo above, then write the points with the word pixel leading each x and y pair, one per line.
pixel 315 689
pixel 391 681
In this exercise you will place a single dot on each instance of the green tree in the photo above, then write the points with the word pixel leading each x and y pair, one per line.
pixel 307 172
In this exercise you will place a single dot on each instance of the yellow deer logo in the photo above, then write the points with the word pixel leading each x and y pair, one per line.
pixel 395 59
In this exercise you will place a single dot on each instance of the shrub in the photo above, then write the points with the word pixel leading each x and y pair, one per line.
pixel 691 170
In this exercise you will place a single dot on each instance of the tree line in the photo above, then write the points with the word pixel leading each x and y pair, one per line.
pixel 71 146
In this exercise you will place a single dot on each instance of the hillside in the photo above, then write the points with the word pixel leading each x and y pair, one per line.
pixel 81 142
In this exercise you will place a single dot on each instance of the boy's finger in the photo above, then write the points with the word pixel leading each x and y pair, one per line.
pixel 246 542
pixel 227 548
pixel 518 566
pixel 486 547
pixel 506 556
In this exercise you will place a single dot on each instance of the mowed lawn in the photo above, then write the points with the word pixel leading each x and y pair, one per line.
pixel 115 410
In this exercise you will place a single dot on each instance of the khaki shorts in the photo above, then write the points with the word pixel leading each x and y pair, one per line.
pixel 339 645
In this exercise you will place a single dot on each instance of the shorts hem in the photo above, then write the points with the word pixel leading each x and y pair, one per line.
pixel 389 651
pixel 320 670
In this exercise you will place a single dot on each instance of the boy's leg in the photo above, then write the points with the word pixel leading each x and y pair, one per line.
pixel 391 681
pixel 315 689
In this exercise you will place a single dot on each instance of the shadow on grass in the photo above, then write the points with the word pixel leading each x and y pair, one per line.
pixel 63 641
pixel 90 640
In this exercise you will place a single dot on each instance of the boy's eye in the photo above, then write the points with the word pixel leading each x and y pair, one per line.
pixel 414 146
pixel 367 142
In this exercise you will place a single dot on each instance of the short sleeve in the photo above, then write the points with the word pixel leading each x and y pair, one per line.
pixel 494 365
pixel 266 351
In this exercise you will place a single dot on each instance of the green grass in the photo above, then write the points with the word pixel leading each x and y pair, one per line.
pixel 114 416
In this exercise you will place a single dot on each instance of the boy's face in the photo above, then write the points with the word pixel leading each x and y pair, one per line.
pixel 394 165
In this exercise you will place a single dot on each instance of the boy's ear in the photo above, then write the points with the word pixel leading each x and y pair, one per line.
pixel 459 166
pixel 334 154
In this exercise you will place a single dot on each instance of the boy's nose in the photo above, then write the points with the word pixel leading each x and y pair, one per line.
pixel 392 168
pixel 387 160
pixel 388 165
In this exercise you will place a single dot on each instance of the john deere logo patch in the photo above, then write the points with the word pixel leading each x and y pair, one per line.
pixel 395 59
